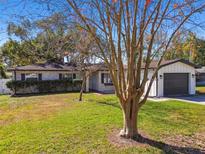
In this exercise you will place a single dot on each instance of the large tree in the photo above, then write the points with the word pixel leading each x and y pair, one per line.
pixel 136 32
pixel 200 58
pixel 37 41
pixel 186 45
pixel 2 67
pixel 84 52
pixel 15 53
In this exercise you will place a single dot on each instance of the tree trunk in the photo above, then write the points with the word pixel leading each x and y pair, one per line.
pixel 82 88
pixel 130 115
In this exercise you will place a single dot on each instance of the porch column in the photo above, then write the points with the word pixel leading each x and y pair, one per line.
pixel 87 82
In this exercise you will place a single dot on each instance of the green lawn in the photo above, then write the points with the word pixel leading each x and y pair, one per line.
pixel 60 124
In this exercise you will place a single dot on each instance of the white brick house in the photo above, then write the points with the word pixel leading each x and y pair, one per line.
pixel 175 77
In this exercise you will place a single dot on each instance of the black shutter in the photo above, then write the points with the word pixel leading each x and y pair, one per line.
pixel 39 77
pixel 74 76
pixel 102 77
pixel 22 77
pixel 60 76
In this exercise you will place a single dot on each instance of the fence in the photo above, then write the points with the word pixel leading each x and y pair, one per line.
pixel 3 87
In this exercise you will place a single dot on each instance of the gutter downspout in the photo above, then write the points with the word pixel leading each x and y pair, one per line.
pixel 157 85
pixel 15 80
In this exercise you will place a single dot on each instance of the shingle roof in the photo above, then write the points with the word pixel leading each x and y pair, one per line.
pixel 154 64
pixel 201 70
pixel 50 66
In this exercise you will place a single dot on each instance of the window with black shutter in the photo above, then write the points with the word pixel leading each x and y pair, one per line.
pixel 22 77
pixel 74 76
pixel 39 77
pixel 106 79
pixel 60 76
pixel 102 77
pixel 31 76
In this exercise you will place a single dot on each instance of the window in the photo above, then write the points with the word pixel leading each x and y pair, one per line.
pixel 67 76
pixel 74 76
pixel 106 79
pixel 39 77
pixel 31 76
pixel 67 59
pixel 22 77
pixel 60 76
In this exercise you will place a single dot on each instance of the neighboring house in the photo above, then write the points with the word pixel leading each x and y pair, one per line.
pixel 175 77
pixel 3 87
pixel 200 76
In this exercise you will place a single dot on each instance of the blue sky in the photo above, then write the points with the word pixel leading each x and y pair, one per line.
pixel 11 10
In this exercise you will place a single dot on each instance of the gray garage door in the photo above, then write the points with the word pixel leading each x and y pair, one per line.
pixel 176 84
pixel 201 77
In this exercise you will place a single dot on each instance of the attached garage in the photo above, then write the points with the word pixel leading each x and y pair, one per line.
pixel 176 77
pixel 176 84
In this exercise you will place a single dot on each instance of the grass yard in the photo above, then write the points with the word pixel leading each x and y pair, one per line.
pixel 59 124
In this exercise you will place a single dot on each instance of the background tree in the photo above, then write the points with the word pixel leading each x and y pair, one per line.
pixel 14 54
pixel 2 67
pixel 83 54
pixel 200 58
pixel 186 45
pixel 143 30
pixel 38 41
pixel 49 39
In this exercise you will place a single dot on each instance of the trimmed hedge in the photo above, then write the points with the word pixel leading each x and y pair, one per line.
pixel 44 86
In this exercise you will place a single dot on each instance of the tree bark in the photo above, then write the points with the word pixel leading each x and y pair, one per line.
pixel 82 88
pixel 130 116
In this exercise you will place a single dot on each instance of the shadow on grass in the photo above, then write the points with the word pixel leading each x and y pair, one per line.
pixel 114 104
pixel 167 148
pixel 172 148
pixel 41 94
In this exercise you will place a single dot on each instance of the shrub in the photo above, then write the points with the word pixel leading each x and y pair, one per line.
pixel 44 86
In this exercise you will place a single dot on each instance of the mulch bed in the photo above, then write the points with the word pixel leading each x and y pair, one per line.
pixel 194 144
pixel 121 142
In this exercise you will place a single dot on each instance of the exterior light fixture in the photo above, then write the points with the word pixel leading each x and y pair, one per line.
pixel 193 75
pixel 160 76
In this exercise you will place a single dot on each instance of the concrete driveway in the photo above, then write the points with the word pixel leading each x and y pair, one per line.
pixel 197 99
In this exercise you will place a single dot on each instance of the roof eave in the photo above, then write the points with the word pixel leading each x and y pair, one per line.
pixel 181 60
